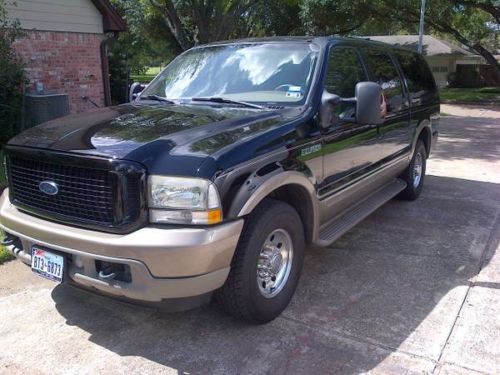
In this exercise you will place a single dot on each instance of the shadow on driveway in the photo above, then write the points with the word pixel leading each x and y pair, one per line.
pixel 468 138
pixel 396 282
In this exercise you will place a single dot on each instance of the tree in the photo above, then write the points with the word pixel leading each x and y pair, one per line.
pixel 184 23
pixel 493 8
pixel 275 17
pixel 194 21
pixel 472 23
pixel 12 77
pixel 146 41
pixel 329 17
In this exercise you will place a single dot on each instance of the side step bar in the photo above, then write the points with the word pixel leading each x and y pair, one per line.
pixel 329 232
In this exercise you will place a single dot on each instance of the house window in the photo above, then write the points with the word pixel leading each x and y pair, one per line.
pixel 440 69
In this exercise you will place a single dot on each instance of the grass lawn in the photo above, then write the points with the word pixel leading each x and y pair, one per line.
pixel 3 180
pixel 148 76
pixel 483 94
pixel 4 255
pixel 142 78
pixel 154 70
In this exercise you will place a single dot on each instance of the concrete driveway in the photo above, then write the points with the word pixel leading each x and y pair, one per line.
pixel 415 288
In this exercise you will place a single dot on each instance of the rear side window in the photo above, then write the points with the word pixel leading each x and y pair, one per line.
pixel 384 72
pixel 418 75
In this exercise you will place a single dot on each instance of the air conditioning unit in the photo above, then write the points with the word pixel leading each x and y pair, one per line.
pixel 42 107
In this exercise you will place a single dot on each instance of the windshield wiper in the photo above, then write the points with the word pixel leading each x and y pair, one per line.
pixel 216 99
pixel 157 98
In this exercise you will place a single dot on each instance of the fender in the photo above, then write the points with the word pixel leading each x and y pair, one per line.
pixel 256 188
pixel 424 124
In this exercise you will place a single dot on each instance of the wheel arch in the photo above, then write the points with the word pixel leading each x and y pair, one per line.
pixel 425 136
pixel 290 187
pixel 424 133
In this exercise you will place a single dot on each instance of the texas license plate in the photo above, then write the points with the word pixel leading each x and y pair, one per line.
pixel 47 264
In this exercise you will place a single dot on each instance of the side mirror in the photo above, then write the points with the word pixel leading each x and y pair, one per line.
pixel 370 103
pixel 135 89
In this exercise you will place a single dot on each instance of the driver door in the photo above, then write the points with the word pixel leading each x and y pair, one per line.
pixel 350 149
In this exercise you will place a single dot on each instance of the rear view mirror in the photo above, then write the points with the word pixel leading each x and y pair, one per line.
pixel 370 103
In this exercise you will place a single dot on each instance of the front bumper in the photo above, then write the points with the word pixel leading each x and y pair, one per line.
pixel 165 263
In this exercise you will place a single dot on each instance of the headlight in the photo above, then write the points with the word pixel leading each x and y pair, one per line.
pixel 180 200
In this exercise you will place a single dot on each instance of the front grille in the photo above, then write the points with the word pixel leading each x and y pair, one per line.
pixel 84 193
pixel 96 193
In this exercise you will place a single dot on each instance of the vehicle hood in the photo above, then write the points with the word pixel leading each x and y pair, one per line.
pixel 152 134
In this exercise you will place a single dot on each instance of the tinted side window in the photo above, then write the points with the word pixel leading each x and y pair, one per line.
pixel 418 75
pixel 384 72
pixel 344 71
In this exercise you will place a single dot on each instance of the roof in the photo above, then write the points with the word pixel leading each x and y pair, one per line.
pixel 321 40
pixel 111 19
pixel 265 39
pixel 431 46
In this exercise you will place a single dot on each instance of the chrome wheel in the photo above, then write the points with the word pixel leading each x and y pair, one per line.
pixel 274 263
pixel 417 169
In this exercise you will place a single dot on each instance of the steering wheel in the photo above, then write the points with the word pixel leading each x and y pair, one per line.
pixel 278 88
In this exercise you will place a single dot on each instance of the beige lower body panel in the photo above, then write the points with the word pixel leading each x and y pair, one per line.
pixel 337 203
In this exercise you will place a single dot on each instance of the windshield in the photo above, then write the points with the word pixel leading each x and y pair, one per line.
pixel 269 73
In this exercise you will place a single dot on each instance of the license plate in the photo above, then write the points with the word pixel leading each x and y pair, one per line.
pixel 47 264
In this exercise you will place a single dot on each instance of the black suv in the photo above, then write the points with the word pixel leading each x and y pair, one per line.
pixel 216 177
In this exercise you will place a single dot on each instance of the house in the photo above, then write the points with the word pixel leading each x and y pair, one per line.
pixel 65 47
pixel 443 57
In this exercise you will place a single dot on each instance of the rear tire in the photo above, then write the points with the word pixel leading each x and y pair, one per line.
pixel 415 173
pixel 266 266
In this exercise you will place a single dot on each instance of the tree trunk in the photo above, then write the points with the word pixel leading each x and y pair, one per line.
pixel 490 59
pixel 487 55
pixel 173 21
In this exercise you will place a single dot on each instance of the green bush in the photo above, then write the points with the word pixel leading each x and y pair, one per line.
pixel 12 78
pixel 453 80
pixel 119 75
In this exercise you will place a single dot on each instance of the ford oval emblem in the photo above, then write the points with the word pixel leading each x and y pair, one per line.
pixel 48 187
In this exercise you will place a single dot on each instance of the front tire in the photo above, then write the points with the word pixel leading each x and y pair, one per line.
pixel 415 173
pixel 266 266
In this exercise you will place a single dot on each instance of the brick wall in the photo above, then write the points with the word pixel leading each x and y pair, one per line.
pixel 65 62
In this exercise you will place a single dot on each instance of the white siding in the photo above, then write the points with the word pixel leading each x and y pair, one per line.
pixel 57 15
pixel 441 66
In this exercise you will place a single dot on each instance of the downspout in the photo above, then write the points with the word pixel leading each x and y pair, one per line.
pixel 105 70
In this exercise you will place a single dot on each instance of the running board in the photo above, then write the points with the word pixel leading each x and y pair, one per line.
pixel 340 225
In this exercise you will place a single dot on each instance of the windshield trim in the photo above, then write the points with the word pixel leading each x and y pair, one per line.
pixel 314 77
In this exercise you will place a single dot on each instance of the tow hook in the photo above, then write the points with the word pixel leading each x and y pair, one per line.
pixel 7 241
pixel 107 271
pixel 107 274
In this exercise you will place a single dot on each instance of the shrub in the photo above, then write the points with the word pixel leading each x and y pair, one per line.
pixel 118 74
pixel 12 78
pixel 453 80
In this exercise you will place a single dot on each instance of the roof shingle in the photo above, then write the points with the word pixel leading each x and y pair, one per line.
pixel 431 46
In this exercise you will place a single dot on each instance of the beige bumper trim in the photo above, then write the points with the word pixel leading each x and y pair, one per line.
pixel 172 252
pixel 164 263
pixel 143 287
